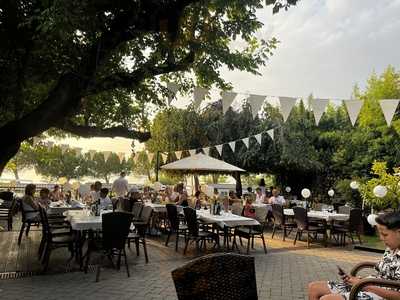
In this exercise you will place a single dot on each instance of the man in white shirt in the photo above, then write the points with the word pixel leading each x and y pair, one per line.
pixel 276 198
pixel 120 186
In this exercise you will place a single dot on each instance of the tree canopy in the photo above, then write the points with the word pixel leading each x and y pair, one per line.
pixel 91 68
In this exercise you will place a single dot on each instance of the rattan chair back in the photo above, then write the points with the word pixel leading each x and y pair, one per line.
pixel 172 213
pixel 191 221
pixel 225 276
pixel 355 220
pixel 115 229
pixel 277 212
pixel 300 217
pixel 137 210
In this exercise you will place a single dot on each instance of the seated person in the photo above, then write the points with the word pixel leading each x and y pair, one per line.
pixel 29 204
pixel 233 198
pixel 105 201
pixel 44 199
pixel 134 194
pixel 68 197
pixel 248 210
pixel 197 202
pixel 388 226
pixel 183 198
pixel 276 198
pixel 56 194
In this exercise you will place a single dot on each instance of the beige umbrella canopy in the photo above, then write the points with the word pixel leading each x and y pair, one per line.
pixel 200 163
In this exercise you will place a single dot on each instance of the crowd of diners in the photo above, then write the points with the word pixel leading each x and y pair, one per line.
pixel 176 194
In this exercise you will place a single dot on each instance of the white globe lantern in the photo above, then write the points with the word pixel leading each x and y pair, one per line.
pixel 354 185
pixel 380 191
pixel 305 193
pixel 288 189
pixel 331 192
pixel 372 219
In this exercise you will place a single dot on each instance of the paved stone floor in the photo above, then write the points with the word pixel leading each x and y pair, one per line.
pixel 283 273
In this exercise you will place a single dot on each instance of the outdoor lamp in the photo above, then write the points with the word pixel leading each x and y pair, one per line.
pixel 288 189
pixel 380 191
pixel 372 219
pixel 305 193
pixel 331 192
pixel 354 185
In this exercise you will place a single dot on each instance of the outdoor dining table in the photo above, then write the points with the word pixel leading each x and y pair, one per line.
pixel 161 208
pixel 58 208
pixel 226 221
pixel 321 215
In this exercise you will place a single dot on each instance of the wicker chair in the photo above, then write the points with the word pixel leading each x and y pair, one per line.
pixel 123 204
pixel 369 281
pixel 217 276
pixel 27 222
pixel 137 210
pixel 139 234
pixel 280 221
pixel 250 232
pixel 115 229
pixel 174 225
pixel 194 233
pixel 353 226
pixel 301 219
pixel 52 240
pixel 6 214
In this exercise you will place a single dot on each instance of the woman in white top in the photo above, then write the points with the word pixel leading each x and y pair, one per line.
pixel 260 197
pixel 276 198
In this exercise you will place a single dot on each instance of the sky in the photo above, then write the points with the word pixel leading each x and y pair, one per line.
pixel 326 47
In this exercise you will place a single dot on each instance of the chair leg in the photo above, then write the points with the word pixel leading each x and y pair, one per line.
pixel 273 231
pixel 167 241
pixel 252 242
pixel 308 240
pixel 248 245
pixel 186 245
pixel 99 268
pixel 21 232
pixel 137 246
pixel 126 263
pixel 359 238
pixel 176 241
pixel 295 238
pixel 145 250
pixel 119 260
pixel 27 229
pixel 47 258
pixel 284 232
pixel 263 240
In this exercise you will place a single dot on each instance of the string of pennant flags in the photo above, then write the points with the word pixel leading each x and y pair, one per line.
pixel 256 102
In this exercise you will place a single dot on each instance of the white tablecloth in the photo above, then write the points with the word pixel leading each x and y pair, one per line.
pixel 157 207
pixel 322 215
pixel 79 220
pixel 225 219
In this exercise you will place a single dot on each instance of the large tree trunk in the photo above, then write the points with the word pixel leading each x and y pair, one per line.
pixel 61 102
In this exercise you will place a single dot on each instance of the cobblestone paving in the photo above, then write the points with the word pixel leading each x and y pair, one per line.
pixel 283 273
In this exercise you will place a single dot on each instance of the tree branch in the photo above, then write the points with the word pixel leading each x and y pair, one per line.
pixel 91 131
pixel 128 80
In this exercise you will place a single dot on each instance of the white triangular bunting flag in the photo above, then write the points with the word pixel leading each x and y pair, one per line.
pixel 246 142
pixel 318 107
pixel 178 154
pixel 64 147
pixel 136 158
pixel 164 157
pixel 232 145
pixel 199 95
pixel 150 156
pixel 256 102
pixel 271 133
pixel 227 99
pixel 258 137
pixel 206 151
pixel 92 153
pixel 121 156
pixel 219 149
pixel 389 107
pixel 78 151
pixel 287 104
pixel 192 152
pixel 49 145
pixel 106 155
pixel 353 109
pixel 173 89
